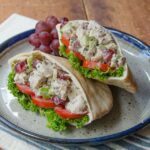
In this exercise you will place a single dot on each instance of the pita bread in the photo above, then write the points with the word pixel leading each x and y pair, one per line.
pixel 126 80
pixel 98 96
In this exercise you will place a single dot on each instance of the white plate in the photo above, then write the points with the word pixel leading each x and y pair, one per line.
pixel 130 112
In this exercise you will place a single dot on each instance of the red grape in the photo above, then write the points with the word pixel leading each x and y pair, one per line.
pixel 35 62
pixel 20 67
pixel 42 26
pixel 55 53
pixel 107 55
pixel 54 33
pixel 50 18
pixel 45 38
pixel 54 44
pixel 63 76
pixel 57 100
pixel 34 40
pixel 45 49
pixel 64 20
pixel 52 21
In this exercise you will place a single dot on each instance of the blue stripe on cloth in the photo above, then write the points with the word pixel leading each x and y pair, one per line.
pixel 143 137
pixel 127 145
pixel 139 141
pixel 73 147
pixel 48 145
pixel 33 143
pixel 102 147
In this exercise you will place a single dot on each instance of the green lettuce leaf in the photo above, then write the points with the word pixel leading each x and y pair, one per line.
pixel 54 121
pixel 95 73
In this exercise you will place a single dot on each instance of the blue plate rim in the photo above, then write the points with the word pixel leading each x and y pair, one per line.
pixel 145 49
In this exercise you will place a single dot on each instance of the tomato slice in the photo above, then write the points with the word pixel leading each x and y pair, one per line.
pixel 90 64
pixel 78 55
pixel 66 114
pixel 104 67
pixel 43 103
pixel 93 65
pixel 67 51
pixel 24 89
pixel 65 41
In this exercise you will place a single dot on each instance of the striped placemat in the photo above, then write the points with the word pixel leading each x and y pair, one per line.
pixel 13 141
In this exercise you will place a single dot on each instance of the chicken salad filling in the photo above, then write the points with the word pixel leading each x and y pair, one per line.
pixel 92 45
pixel 49 87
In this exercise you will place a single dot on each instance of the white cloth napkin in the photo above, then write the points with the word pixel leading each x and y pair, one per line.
pixel 11 140
pixel 15 24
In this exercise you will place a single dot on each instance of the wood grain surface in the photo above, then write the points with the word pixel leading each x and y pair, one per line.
pixel 131 16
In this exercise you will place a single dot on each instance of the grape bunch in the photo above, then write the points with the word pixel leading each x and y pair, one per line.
pixel 45 37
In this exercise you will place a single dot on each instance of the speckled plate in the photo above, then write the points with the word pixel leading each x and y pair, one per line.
pixel 130 112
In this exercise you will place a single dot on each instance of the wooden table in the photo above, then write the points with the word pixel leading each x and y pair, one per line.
pixel 131 16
